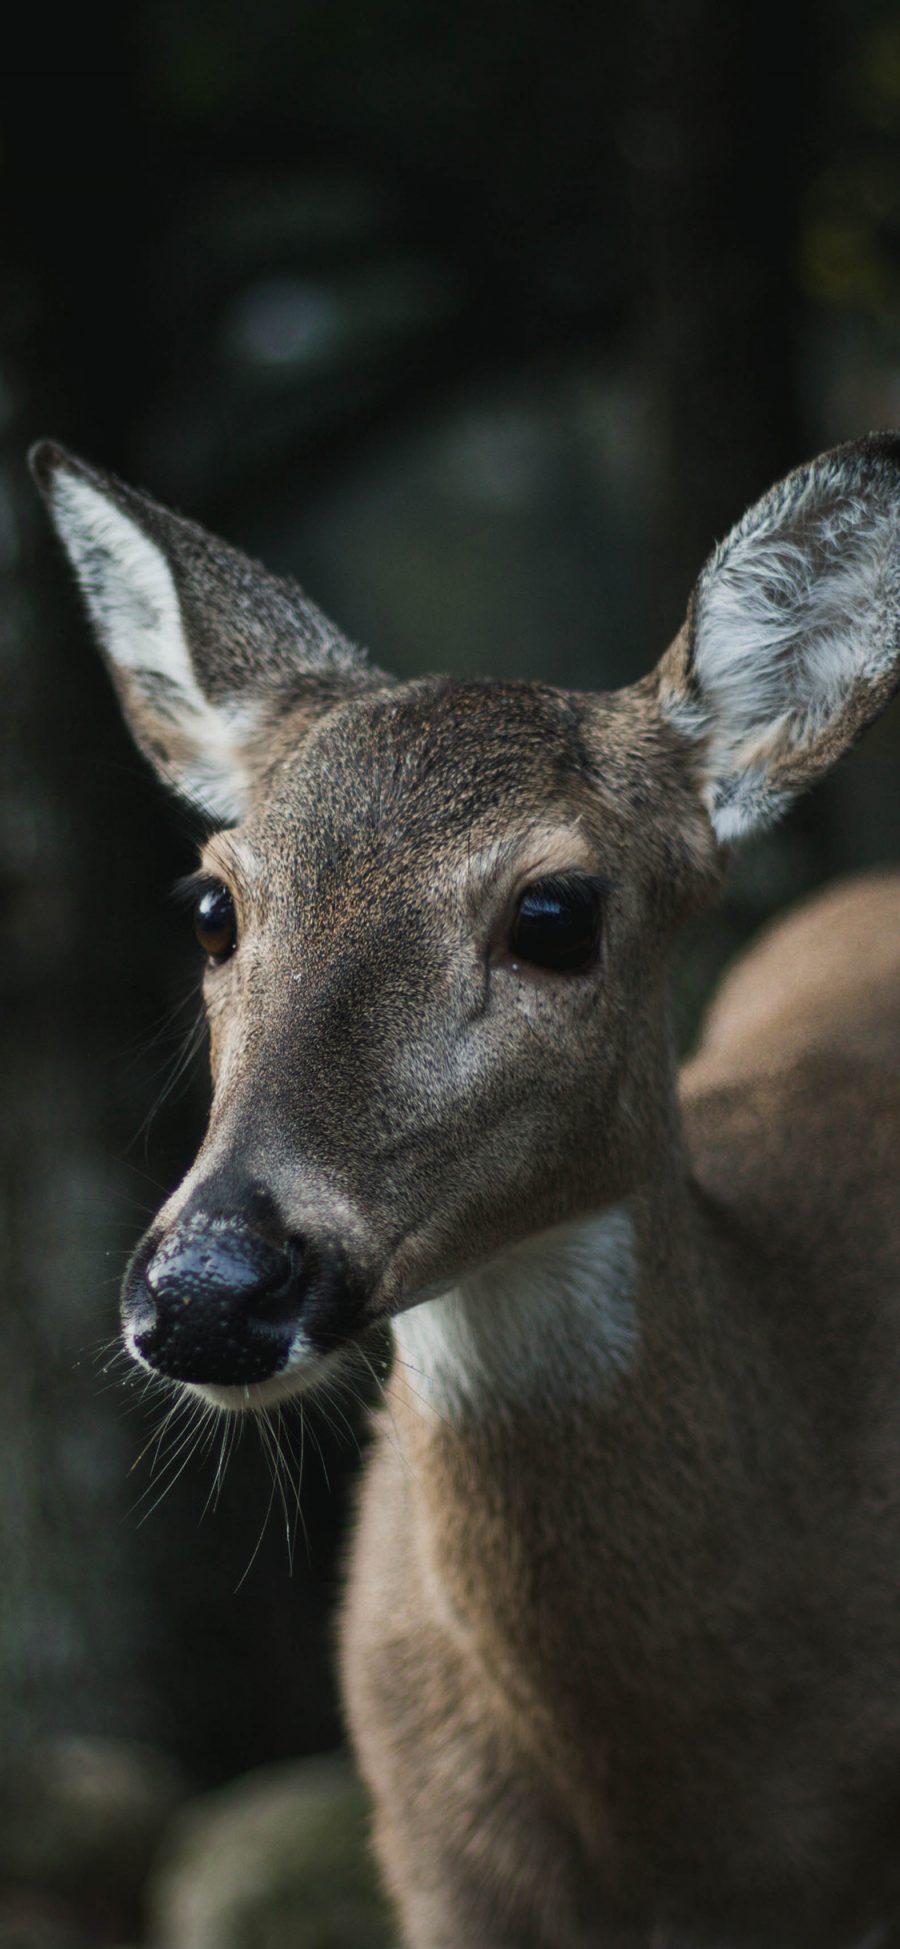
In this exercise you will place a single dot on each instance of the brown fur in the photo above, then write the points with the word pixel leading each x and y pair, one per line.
pixel 621 1648
pixel 641 1680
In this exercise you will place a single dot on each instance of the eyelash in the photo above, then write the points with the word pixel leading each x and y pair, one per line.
pixel 190 889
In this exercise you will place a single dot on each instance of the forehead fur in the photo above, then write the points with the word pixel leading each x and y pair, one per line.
pixel 430 756
pixel 438 767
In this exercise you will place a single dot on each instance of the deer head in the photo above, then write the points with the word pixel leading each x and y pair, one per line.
pixel 435 914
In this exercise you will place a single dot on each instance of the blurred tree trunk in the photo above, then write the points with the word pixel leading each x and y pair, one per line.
pixel 102 1626
pixel 69 1594
pixel 715 137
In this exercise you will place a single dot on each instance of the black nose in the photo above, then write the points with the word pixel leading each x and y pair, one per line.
pixel 216 1302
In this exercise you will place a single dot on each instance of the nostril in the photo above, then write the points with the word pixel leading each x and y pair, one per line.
pixel 260 1212
pixel 274 1298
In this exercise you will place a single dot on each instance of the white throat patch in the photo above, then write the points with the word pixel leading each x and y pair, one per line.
pixel 560 1305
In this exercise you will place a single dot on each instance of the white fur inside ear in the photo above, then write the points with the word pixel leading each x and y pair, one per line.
pixel 133 603
pixel 796 608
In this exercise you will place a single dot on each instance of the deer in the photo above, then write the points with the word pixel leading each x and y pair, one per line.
pixel 620 1641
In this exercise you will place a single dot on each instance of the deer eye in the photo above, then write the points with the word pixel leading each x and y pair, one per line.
pixel 215 923
pixel 557 925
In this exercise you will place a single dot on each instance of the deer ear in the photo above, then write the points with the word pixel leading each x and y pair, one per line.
pixel 792 641
pixel 206 648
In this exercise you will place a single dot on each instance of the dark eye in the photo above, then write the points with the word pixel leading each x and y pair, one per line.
pixel 214 923
pixel 558 925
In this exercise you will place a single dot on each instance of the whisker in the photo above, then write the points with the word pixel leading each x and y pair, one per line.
pixel 325 1391
pixel 258 1545
pixel 399 1364
pixel 186 1447
pixel 180 1068
pixel 278 1432
pixel 320 1452
pixel 299 1518
pixel 179 1406
pixel 215 1487
pixel 268 1431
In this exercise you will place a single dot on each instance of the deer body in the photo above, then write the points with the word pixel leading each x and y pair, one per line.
pixel 621 1648
pixel 565 1650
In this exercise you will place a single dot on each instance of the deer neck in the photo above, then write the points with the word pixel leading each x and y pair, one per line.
pixel 575 1405
pixel 564 1304
pixel 588 1381
pixel 571 1315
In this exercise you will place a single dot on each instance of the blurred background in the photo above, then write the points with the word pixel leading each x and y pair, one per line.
pixel 485 321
